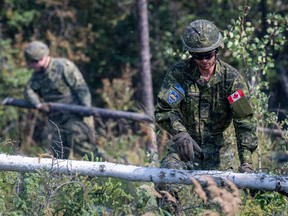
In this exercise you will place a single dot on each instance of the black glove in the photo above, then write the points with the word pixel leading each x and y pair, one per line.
pixel 185 146
pixel 43 107
pixel 246 168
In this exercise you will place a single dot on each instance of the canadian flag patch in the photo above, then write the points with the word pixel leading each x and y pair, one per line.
pixel 235 96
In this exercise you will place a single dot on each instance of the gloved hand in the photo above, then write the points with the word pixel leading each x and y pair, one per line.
pixel 185 146
pixel 246 168
pixel 43 107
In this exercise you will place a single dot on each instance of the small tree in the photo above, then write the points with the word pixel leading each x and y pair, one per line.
pixel 146 79
pixel 254 56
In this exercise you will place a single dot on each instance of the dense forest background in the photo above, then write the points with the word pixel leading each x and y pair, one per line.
pixel 103 38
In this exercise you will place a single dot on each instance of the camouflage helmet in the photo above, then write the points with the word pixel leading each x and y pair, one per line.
pixel 202 36
pixel 36 50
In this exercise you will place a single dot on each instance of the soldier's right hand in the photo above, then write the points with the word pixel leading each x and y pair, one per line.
pixel 185 145
pixel 43 107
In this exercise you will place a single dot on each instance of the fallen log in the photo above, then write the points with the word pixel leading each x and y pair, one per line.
pixel 258 181
pixel 81 110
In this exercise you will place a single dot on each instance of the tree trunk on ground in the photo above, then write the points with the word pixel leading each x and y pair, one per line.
pixel 146 79
pixel 82 110
pixel 259 181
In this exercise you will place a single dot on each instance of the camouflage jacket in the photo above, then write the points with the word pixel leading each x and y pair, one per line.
pixel 187 103
pixel 61 82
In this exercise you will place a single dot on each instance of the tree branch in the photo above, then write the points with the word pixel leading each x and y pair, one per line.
pixel 259 181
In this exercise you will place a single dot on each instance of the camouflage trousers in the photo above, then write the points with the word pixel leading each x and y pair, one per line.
pixel 69 137
pixel 211 161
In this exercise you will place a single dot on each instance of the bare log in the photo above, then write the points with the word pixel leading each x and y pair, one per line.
pixel 82 110
pixel 259 181
pixel 270 130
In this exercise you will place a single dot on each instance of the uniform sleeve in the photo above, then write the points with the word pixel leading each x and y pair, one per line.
pixel 77 83
pixel 167 112
pixel 30 93
pixel 244 122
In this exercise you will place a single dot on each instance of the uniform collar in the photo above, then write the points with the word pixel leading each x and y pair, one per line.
pixel 218 74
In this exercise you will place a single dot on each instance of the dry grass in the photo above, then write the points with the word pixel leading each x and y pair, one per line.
pixel 151 190
pixel 227 198
pixel 199 190
pixel 168 196
pixel 210 213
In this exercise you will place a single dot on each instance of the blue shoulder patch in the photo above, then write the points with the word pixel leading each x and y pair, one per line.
pixel 179 88
pixel 173 97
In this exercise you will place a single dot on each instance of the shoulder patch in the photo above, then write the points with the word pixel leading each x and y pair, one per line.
pixel 179 88
pixel 235 96
pixel 174 95
pixel 240 104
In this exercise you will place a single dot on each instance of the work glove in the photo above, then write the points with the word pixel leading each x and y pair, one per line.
pixel 246 168
pixel 43 107
pixel 185 146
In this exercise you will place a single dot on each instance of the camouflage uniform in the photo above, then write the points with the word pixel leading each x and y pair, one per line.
pixel 187 103
pixel 62 82
pixel 196 111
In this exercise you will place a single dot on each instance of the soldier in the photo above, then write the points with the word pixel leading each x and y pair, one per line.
pixel 199 98
pixel 59 80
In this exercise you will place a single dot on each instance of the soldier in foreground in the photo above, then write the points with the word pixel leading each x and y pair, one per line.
pixel 59 80
pixel 199 98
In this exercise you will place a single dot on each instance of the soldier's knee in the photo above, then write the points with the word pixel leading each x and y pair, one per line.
pixel 172 161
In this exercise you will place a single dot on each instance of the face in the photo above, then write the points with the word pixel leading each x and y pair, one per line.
pixel 37 65
pixel 205 60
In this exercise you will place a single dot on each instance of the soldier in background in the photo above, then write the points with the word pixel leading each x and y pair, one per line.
pixel 59 80
pixel 199 98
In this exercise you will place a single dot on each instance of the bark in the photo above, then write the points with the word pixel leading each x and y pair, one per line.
pixel 259 181
pixel 82 110
pixel 146 80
